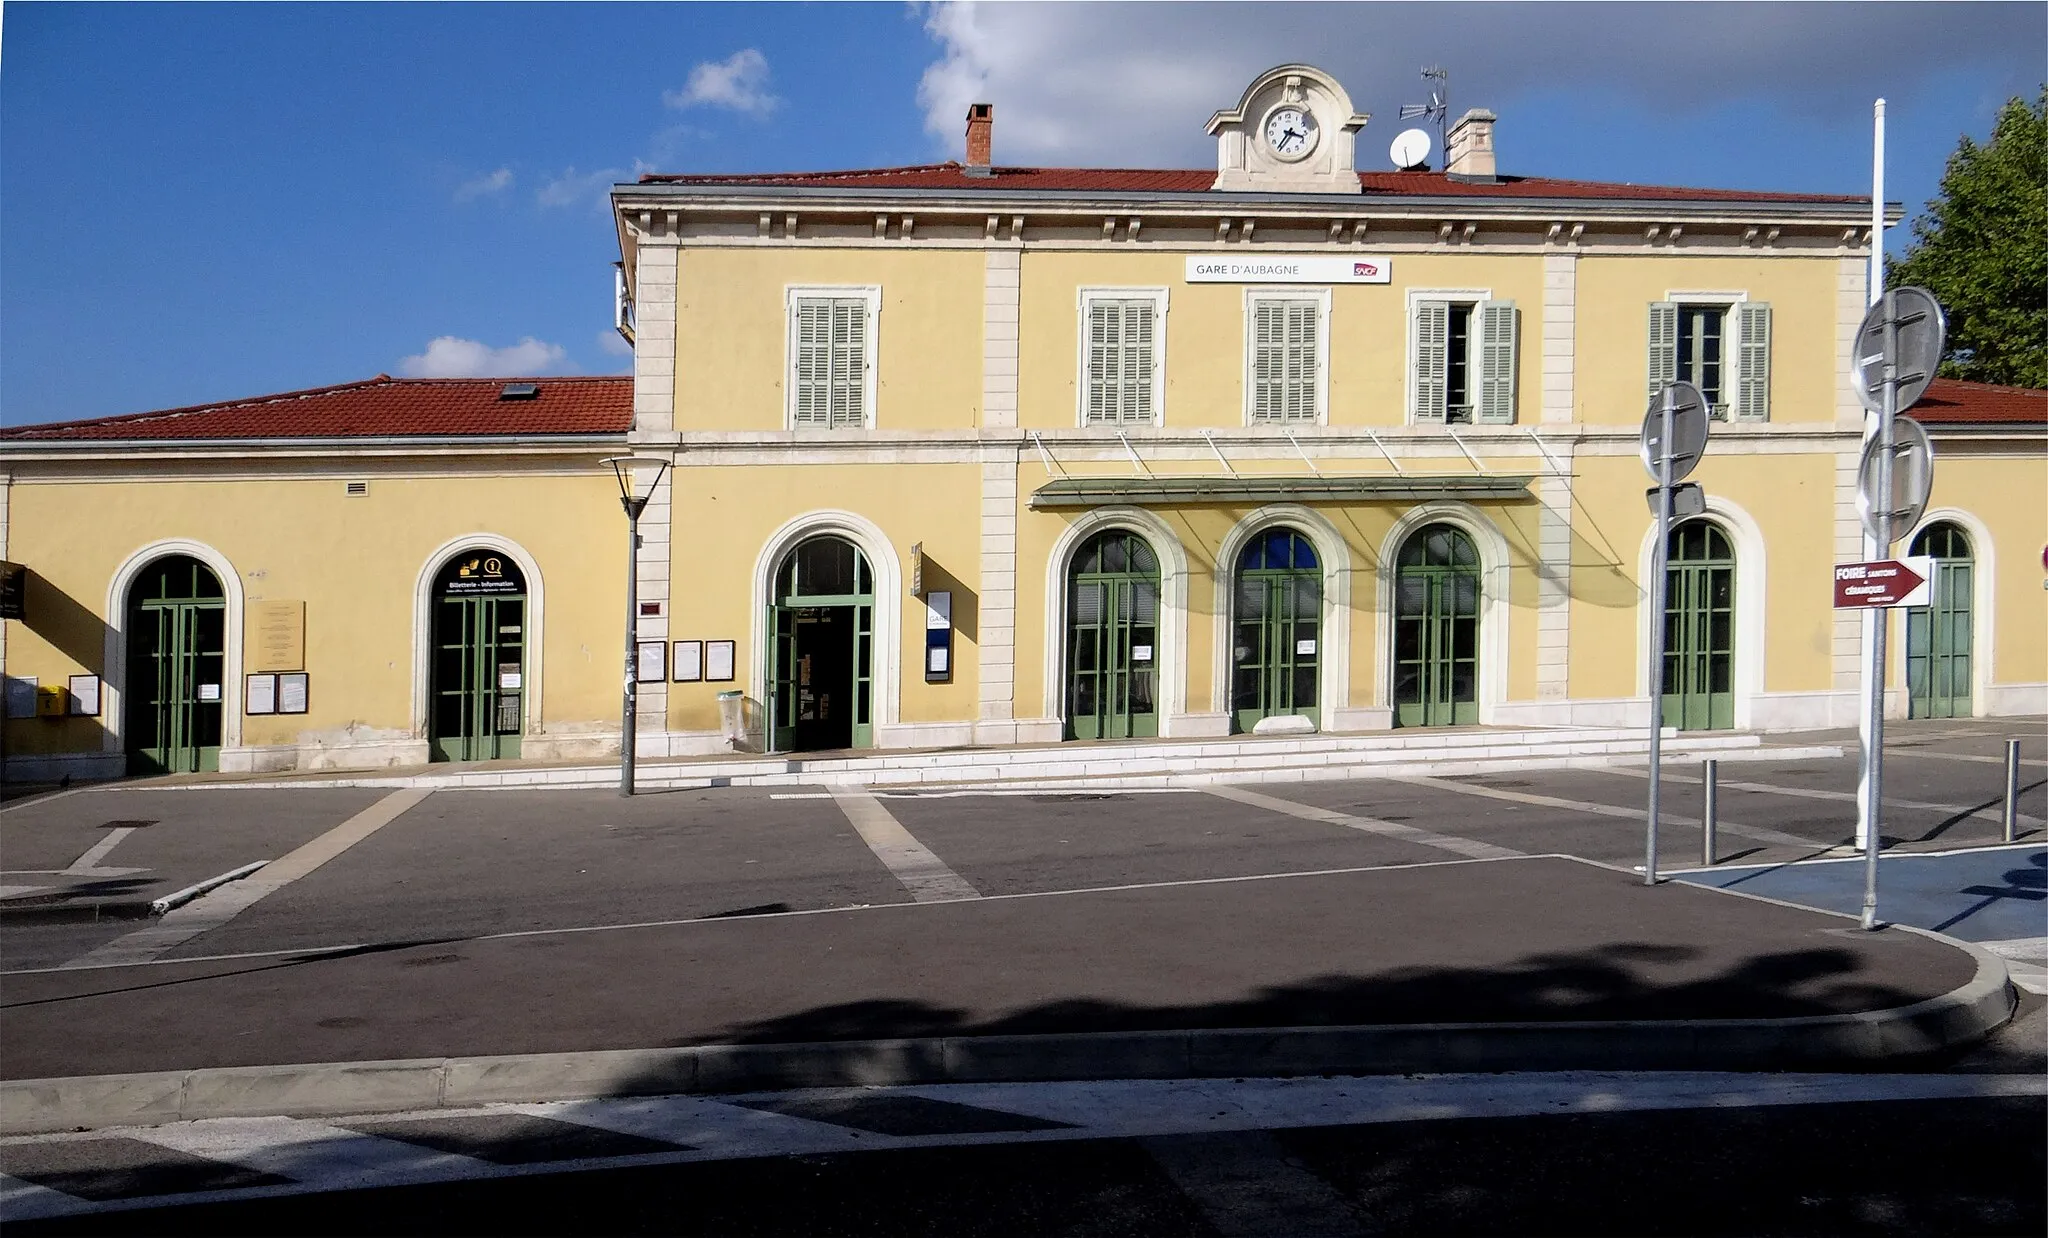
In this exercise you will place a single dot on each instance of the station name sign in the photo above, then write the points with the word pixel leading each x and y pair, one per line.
pixel 1292 269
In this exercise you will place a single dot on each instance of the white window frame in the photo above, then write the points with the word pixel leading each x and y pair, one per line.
pixel 1084 303
pixel 1416 296
pixel 1731 339
pixel 871 294
pixel 1252 298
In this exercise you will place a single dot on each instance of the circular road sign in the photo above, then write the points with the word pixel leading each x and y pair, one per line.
pixel 1912 480
pixel 1688 429
pixel 1922 331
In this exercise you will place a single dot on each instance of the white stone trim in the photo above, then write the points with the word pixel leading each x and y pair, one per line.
pixel 996 615
pixel 654 335
pixel 533 723
pixel 1560 337
pixel 2017 700
pixel 886 673
pixel 1751 613
pixel 871 294
pixel 1852 299
pixel 1416 296
pixel 1253 296
pixel 1084 300
pixel 654 569
pixel 1002 272
pixel 1553 584
pixel 1983 599
pixel 114 653
pixel 1173 608
pixel 1495 612
pixel 1333 687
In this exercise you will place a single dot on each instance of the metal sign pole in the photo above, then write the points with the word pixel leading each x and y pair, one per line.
pixel 631 707
pixel 1872 620
pixel 1658 583
pixel 1873 771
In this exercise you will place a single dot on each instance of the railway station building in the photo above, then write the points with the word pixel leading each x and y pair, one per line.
pixel 970 454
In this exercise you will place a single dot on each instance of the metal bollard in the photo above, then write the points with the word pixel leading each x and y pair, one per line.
pixel 2012 790
pixel 1713 813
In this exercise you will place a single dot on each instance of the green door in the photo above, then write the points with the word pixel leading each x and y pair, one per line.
pixel 821 656
pixel 1436 629
pixel 1113 639
pixel 1278 627
pixel 478 687
pixel 1699 629
pixel 1938 635
pixel 177 665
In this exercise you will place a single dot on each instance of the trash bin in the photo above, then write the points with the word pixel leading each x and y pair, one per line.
pixel 731 717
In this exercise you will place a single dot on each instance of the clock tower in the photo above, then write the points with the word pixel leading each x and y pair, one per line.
pixel 1293 131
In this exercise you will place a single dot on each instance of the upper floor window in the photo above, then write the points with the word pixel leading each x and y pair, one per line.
pixel 1122 355
pixel 1719 343
pixel 1287 340
pixel 1462 349
pixel 832 357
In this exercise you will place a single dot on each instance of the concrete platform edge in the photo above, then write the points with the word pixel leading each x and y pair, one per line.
pixel 1952 1020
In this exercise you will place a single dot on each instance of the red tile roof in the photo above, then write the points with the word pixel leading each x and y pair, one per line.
pixel 952 176
pixel 377 407
pixel 1952 402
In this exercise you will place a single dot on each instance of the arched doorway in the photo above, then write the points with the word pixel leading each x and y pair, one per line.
pixel 1113 638
pixel 1436 628
pixel 1939 635
pixel 176 669
pixel 1698 689
pixel 821 660
pixel 1277 629
pixel 477 678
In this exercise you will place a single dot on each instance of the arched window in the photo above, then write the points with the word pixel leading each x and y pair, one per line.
pixel 177 665
pixel 1113 638
pixel 1436 628
pixel 1698 689
pixel 821 661
pixel 1940 657
pixel 477 679
pixel 1277 628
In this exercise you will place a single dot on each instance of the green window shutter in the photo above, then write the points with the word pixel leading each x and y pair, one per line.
pixel 813 349
pixel 1139 329
pixel 1120 337
pixel 1496 357
pixel 1432 360
pixel 1269 361
pixel 1101 318
pixel 1301 362
pixel 1753 378
pixel 849 363
pixel 1663 345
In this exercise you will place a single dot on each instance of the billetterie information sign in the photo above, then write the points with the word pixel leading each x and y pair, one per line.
pixel 1291 269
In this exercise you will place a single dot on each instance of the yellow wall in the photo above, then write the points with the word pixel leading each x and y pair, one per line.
pixel 1611 375
pixel 2006 494
pixel 355 562
pixel 732 333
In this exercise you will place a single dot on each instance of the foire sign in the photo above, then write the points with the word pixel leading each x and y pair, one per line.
pixel 1291 269
pixel 1884 582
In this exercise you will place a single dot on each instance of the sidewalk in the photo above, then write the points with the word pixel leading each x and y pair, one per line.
pixel 1536 963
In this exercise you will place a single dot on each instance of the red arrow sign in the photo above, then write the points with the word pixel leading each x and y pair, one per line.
pixel 1886 582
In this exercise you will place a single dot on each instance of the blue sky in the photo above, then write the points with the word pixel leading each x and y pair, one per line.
pixel 201 202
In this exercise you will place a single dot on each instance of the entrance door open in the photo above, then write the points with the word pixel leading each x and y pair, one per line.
pixel 820 671
pixel 478 688
pixel 1278 628
pixel 177 666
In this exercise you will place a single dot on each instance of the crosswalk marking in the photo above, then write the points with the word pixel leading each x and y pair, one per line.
pixel 1370 825
pixel 922 873
pixel 1755 833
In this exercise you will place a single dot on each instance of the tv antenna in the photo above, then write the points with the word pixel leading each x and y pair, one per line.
pixel 1439 106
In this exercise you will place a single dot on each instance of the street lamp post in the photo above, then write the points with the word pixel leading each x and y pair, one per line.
pixel 634 499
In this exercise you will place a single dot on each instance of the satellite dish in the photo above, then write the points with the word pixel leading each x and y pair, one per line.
pixel 1410 149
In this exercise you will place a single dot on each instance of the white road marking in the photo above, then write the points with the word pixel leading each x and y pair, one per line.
pixel 17 891
pixel 325 1155
pixel 1819 793
pixel 1370 825
pixel 89 862
pixel 217 908
pixel 1957 756
pixel 923 874
pixel 1755 833
pixel 316 951
pixel 1095 791
pixel 45 798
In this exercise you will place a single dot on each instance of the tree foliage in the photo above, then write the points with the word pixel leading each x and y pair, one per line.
pixel 1982 250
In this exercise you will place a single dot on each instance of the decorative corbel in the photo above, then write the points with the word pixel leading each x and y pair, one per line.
pixel 647 223
pixel 1677 230
pixel 909 222
pixel 1131 227
pixel 1651 233
pixel 672 222
pixel 1223 229
pixel 1470 228
pixel 988 231
pixel 1556 231
pixel 1016 227
pixel 1244 231
pixel 1749 235
pixel 1109 228
pixel 1443 233
pixel 1849 238
pixel 881 227
pixel 1866 238
pixel 765 227
pixel 1358 232
pixel 789 226
pixel 1771 237
pixel 1578 230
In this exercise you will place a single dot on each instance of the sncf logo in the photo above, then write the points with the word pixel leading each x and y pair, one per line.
pixel 1365 269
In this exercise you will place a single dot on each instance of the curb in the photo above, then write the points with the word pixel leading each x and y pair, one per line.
pixel 54 909
pixel 1954 1019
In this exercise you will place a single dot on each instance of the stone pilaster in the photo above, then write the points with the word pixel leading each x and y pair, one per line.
pixel 654 345
pixel 999 337
pixel 655 559
pixel 997 614
pixel 1553 583
pixel 1560 326
pixel 1852 295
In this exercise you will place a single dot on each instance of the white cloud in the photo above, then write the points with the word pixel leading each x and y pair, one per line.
pixel 572 186
pixel 614 344
pixel 1132 84
pixel 449 356
pixel 739 82
pixel 484 186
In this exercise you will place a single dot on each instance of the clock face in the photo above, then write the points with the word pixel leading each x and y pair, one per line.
pixel 1291 132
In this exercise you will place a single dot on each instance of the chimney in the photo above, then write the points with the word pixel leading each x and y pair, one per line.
pixel 981 125
pixel 1468 154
